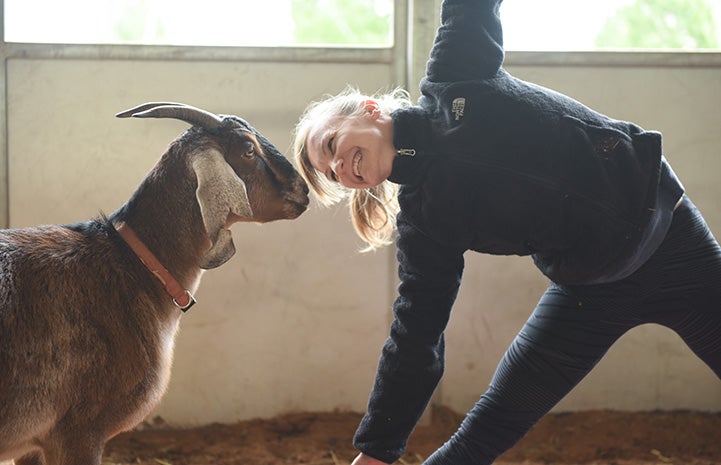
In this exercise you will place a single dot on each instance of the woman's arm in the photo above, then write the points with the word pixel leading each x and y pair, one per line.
pixel 469 43
pixel 412 358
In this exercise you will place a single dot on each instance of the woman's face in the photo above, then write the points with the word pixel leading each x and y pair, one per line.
pixel 357 151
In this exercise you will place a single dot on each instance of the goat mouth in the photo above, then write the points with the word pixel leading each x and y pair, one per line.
pixel 296 209
pixel 297 202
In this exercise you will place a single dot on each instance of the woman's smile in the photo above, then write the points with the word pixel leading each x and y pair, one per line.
pixel 357 165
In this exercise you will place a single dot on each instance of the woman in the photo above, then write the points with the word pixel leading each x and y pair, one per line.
pixel 489 163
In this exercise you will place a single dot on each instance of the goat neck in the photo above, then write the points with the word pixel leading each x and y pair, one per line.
pixel 182 297
pixel 165 217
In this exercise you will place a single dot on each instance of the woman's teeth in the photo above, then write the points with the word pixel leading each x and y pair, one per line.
pixel 356 165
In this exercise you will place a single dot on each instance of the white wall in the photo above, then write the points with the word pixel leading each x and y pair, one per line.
pixel 296 319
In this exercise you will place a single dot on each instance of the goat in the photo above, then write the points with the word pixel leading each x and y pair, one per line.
pixel 89 311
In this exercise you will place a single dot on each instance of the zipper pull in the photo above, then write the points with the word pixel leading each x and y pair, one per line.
pixel 407 152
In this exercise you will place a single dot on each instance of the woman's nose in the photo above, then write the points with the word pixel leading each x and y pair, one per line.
pixel 336 165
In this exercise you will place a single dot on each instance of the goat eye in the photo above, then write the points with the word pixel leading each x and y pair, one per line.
pixel 249 150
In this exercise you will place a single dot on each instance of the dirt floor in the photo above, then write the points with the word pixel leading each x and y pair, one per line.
pixel 597 437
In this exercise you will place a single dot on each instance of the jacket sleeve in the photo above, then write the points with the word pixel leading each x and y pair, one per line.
pixel 469 42
pixel 412 359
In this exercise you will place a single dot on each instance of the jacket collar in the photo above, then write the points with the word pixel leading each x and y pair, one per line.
pixel 412 139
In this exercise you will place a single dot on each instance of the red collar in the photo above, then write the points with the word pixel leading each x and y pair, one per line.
pixel 182 297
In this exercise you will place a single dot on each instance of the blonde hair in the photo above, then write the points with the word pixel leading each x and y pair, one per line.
pixel 373 211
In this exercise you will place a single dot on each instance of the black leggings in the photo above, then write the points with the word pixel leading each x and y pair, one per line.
pixel 572 328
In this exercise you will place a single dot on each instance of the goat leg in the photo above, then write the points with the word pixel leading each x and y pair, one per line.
pixel 76 450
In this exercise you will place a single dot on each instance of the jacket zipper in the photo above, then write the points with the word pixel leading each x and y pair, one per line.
pixel 407 152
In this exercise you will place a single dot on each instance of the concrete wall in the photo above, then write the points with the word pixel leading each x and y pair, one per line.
pixel 296 319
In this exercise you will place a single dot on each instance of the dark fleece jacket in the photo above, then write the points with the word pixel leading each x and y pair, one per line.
pixel 493 164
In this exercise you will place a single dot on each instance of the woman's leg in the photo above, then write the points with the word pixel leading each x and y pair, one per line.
pixel 685 294
pixel 573 327
pixel 562 341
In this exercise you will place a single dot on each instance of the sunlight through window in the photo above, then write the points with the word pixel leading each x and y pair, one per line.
pixel 573 25
pixel 211 22
pixel 531 25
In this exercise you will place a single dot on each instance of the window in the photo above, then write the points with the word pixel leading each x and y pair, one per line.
pixel 566 25
pixel 530 25
pixel 191 22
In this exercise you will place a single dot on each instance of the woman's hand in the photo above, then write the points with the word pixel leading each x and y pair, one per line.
pixel 363 459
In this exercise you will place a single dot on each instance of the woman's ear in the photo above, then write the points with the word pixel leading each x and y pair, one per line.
pixel 372 108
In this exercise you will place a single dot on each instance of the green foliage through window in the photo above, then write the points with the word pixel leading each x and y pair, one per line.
pixel 342 21
pixel 661 24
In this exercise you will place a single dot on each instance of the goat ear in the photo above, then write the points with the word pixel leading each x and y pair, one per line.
pixel 220 193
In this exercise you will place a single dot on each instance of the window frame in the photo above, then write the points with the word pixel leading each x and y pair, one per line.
pixel 415 23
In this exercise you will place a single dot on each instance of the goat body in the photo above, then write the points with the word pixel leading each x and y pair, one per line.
pixel 86 329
